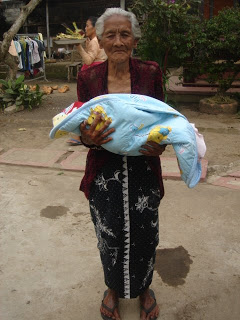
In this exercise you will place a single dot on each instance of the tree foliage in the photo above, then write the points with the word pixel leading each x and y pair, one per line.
pixel 165 24
pixel 215 49
pixel 173 31
pixel 164 27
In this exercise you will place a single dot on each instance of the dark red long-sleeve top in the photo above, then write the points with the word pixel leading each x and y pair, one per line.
pixel 146 79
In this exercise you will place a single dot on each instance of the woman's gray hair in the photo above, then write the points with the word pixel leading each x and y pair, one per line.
pixel 117 11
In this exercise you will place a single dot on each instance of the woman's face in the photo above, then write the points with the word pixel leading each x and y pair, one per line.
pixel 89 29
pixel 117 39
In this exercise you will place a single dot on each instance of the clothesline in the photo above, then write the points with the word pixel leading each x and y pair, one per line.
pixel 27 34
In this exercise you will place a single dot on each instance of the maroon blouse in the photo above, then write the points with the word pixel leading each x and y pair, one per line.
pixel 146 79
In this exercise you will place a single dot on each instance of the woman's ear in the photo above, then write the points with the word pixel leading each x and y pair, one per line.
pixel 99 42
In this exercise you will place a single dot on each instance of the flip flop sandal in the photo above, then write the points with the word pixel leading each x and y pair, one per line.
pixel 74 142
pixel 107 308
pixel 147 311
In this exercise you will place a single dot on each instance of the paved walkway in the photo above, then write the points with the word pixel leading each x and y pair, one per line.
pixel 50 157
pixel 200 88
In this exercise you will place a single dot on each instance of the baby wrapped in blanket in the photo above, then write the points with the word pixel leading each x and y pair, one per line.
pixel 138 119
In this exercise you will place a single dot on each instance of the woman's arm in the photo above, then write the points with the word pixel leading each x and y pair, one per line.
pixel 91 137
pixel 92 51
pixel 152 149
pixel 158 84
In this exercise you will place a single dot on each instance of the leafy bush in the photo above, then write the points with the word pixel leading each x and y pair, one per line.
pixel 165 24
pixel 29 98
pixel 10 91
pixel 215 49
pixel 16 92
pixel 173 31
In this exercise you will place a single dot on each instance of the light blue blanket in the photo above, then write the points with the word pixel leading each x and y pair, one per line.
pixel 137 119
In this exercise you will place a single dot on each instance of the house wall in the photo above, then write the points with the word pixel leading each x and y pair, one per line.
pixel 213 6
pixel 220 4
pixel 65 11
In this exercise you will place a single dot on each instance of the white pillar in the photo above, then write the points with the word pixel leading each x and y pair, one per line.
pixel 122 4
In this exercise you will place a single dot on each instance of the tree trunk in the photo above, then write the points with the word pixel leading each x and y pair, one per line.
pixel 5 57
pixel 12 63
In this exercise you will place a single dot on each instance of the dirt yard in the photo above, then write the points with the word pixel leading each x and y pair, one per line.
pixel 221 132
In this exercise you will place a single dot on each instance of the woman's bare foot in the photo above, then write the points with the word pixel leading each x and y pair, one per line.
pixel 148 302
pixel 111 301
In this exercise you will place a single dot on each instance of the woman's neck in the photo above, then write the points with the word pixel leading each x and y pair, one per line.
pixel 92 36
pixel 119 78
pixel 118 70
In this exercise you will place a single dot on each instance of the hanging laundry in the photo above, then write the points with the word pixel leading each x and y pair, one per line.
pixel 19 50
pixel 30 52
pixel 12 50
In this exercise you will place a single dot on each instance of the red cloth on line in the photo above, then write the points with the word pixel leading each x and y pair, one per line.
pixel 146 79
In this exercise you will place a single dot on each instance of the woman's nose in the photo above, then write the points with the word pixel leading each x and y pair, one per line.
pixel 118 40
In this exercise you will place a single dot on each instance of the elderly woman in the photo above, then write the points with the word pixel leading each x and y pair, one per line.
pixel 124 192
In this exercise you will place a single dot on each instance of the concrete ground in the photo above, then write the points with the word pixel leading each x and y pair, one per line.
pixel 50 267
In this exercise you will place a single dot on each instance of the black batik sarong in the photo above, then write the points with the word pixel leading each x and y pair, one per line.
pixel 124 200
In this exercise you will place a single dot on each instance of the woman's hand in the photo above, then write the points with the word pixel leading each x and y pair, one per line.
pixel 152 149
pixel 91 136
pixel 78 47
